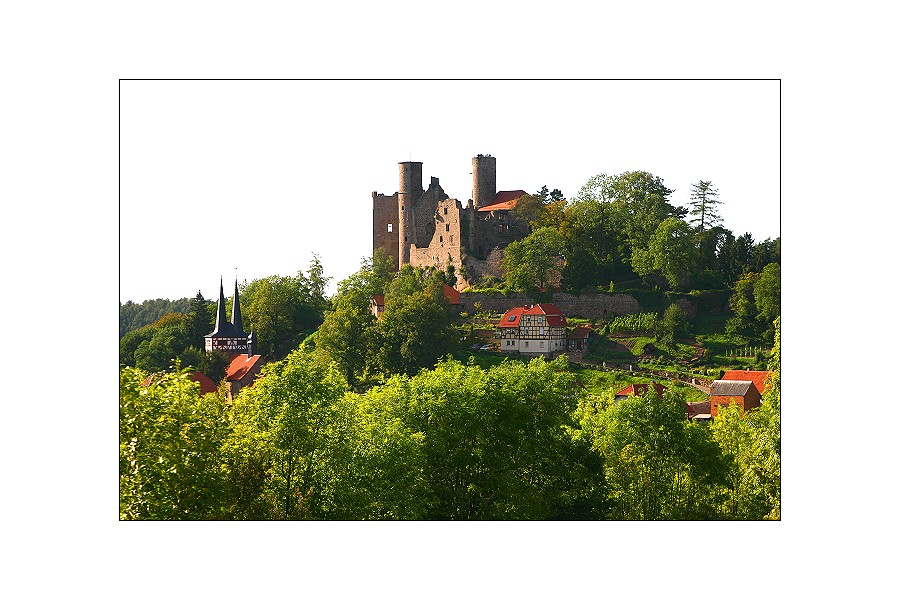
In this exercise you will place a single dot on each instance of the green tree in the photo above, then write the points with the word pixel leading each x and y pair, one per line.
pixel 763 253
pixel 198 321
pixel 671 325
pixel 670 253
pixel 133 316
pixel 743 305
pixel 704 199
pixel 658 465
pixel 344 336
pixel 283 310
pixel 767 293
pixel 499 444
pixel 643 200
pixel 414 330
pixel 167 341
pixel 278 438
pixel 752 443
pixel 131 341
pixel 169 441
pixel 373 463
pixel 535 261
pixel 734 256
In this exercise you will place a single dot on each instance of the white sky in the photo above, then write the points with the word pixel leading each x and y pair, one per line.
pixel 258 175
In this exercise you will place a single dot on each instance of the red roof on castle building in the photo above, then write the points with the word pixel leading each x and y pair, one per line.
pixel 513 316
pixel 503 201
pixel 757 377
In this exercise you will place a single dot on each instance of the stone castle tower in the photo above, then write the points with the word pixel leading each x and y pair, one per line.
pixel 427 228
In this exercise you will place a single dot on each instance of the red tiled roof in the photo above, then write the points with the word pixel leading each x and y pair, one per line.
pixel 639 389
pixel 207 385
pixel 554 316
pixel 757 377
pixel 450 294
pixel 512 316
pixel 503 201
pixel 240 365
pixel 378 299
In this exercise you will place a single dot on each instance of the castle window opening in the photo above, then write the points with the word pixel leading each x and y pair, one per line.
pixel 448 226
pixel 442 239
pixel 445 210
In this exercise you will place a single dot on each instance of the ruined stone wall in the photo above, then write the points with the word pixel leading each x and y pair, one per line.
pixel 385 218
pixel 589 305
pixel 496 229
pixel 444 247
pixel 477 268
pixel 424 215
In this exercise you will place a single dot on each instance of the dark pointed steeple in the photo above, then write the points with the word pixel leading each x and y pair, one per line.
pixel 228 336
pixel 221 319
pixel 236 310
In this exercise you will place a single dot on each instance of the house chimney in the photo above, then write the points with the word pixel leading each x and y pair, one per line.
pixel 251 341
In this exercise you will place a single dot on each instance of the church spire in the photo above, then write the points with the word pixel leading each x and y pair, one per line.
pixel 221 319
pixel 236 310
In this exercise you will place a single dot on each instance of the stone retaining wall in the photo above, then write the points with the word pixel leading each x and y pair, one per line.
pixel 589 305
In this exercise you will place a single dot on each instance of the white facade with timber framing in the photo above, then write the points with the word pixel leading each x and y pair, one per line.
pixel 537 329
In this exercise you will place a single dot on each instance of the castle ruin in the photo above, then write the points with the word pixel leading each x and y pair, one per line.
pixel 427 228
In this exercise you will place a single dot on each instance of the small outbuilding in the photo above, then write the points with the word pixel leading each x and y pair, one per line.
pixel 724 392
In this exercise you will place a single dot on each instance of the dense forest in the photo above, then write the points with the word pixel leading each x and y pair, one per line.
pixel 514 441
pixel 398 418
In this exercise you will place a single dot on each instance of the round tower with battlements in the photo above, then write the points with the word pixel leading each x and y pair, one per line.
pixel 410 191
pixel 484 180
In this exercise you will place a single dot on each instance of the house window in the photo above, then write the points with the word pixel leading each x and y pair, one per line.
pixel 542 344
pixel 390 227
pixel 526 344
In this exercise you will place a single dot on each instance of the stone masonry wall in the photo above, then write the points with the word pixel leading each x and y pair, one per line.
pixel 589 305
pixel 384 214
